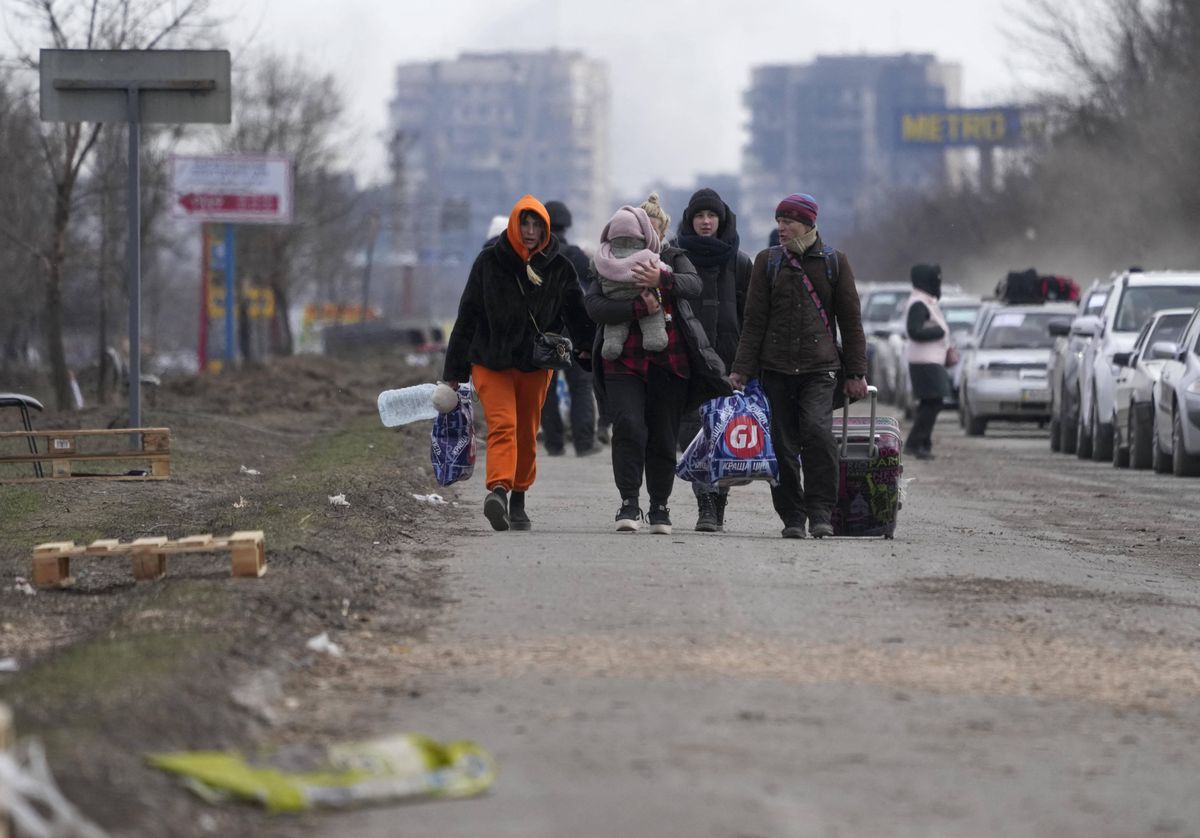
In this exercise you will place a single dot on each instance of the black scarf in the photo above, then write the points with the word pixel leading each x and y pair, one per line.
pixel 707 251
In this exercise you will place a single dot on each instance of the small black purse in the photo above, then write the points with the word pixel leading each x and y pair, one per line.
pixel 551 351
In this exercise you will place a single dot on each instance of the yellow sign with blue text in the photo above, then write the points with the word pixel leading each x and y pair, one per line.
pixel 968 126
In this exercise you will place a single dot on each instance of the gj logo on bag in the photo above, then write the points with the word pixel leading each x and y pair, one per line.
pixel 744 437
pixel 734 443
pixel 452 449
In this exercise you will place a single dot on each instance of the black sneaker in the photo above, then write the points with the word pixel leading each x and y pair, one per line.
pixel 629 516
pixel 517 518
pixel 659 519
pixel 794 531
pixel 707 520
pixel 495 508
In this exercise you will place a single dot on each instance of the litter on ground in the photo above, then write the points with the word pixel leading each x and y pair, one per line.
pixel 401 767
pixel 322 643
pixel 435 499
pixel 338 500
pixel 253 472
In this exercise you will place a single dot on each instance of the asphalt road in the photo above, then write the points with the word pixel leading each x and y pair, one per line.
pixel 1023 660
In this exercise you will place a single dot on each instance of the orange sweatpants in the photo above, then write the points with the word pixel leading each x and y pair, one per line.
pixel 512 402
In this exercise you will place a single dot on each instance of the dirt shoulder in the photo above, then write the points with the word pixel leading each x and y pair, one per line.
pixel 111 670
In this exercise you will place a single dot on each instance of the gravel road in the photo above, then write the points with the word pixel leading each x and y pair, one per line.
pixel 1023 660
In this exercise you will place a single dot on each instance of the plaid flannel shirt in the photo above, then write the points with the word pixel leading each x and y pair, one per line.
pixel 635 360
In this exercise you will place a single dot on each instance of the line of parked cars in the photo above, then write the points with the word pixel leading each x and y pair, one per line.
pixel 1115 376
pixel 1125 374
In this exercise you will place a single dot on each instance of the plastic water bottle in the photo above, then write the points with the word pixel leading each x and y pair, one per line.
pixel 408 404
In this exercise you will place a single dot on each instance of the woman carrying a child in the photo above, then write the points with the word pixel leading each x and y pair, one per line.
pixel 655 361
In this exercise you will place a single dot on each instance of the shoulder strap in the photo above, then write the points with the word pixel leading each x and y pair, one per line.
pixel 528 310
pixel 774 261
pixel 833 265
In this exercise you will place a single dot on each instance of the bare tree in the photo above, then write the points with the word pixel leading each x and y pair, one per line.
pixel 23 206
pixel 87 24
pixel 283 107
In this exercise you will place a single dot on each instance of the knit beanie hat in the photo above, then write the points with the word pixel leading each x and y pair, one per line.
pixel 704 199
pixel 658 215
pixel 798 207
pixel 560 216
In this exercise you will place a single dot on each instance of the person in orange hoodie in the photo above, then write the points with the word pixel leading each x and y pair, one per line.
pixel 521 280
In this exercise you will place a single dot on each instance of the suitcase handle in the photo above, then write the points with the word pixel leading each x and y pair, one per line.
pixel 872 448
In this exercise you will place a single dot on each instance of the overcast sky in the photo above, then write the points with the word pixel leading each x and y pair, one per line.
pixel 673 65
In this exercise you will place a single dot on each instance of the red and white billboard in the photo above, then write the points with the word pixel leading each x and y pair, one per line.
pixel 232 189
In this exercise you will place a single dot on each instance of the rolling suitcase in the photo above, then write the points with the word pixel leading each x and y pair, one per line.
pixel 869 472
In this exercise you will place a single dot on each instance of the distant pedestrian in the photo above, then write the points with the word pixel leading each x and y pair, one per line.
pixel 801 294
pixel 708 234
pixel 647 392
pixel 928 353
pixel 518 286
pixel 579 380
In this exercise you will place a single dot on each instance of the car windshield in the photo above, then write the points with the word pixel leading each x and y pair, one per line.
pixel 1168 328
pixel 1137 304
pixel 960 319
pixel 1095 303
pixel 1022 330
pixel 881 306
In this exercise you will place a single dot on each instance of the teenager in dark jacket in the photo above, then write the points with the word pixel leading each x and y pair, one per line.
pixel 926 354
pixel 708 234
pixel 520 280
pixel 788 342
pixel 579 380
pixel 648 392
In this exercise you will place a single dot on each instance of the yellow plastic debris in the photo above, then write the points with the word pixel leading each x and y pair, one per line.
pixel 402 767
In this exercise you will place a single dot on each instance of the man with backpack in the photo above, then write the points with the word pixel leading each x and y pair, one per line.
pixel 801 295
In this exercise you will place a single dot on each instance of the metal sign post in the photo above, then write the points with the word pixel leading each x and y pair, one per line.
pixel 135 86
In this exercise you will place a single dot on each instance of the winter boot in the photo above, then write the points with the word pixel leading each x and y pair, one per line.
pixel 819 525
pixel 707 520
pixel 516 512
pixel 495 508
pixel 721 500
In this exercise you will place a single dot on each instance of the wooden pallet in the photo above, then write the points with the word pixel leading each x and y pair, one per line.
pixel 68 451
pixel 52 561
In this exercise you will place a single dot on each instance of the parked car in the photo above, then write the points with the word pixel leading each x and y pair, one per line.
pixel 1004 365
pixel 880 303
pixel 1135 296
pixel 1177 399
pixel 1063 373
pixel 1133 421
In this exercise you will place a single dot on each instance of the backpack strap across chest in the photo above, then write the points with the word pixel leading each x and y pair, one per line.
pixel 775 255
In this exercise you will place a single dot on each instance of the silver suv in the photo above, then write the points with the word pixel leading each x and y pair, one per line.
pixel 1135 295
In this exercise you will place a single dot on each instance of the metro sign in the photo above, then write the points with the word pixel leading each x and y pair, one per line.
pixel 237 189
